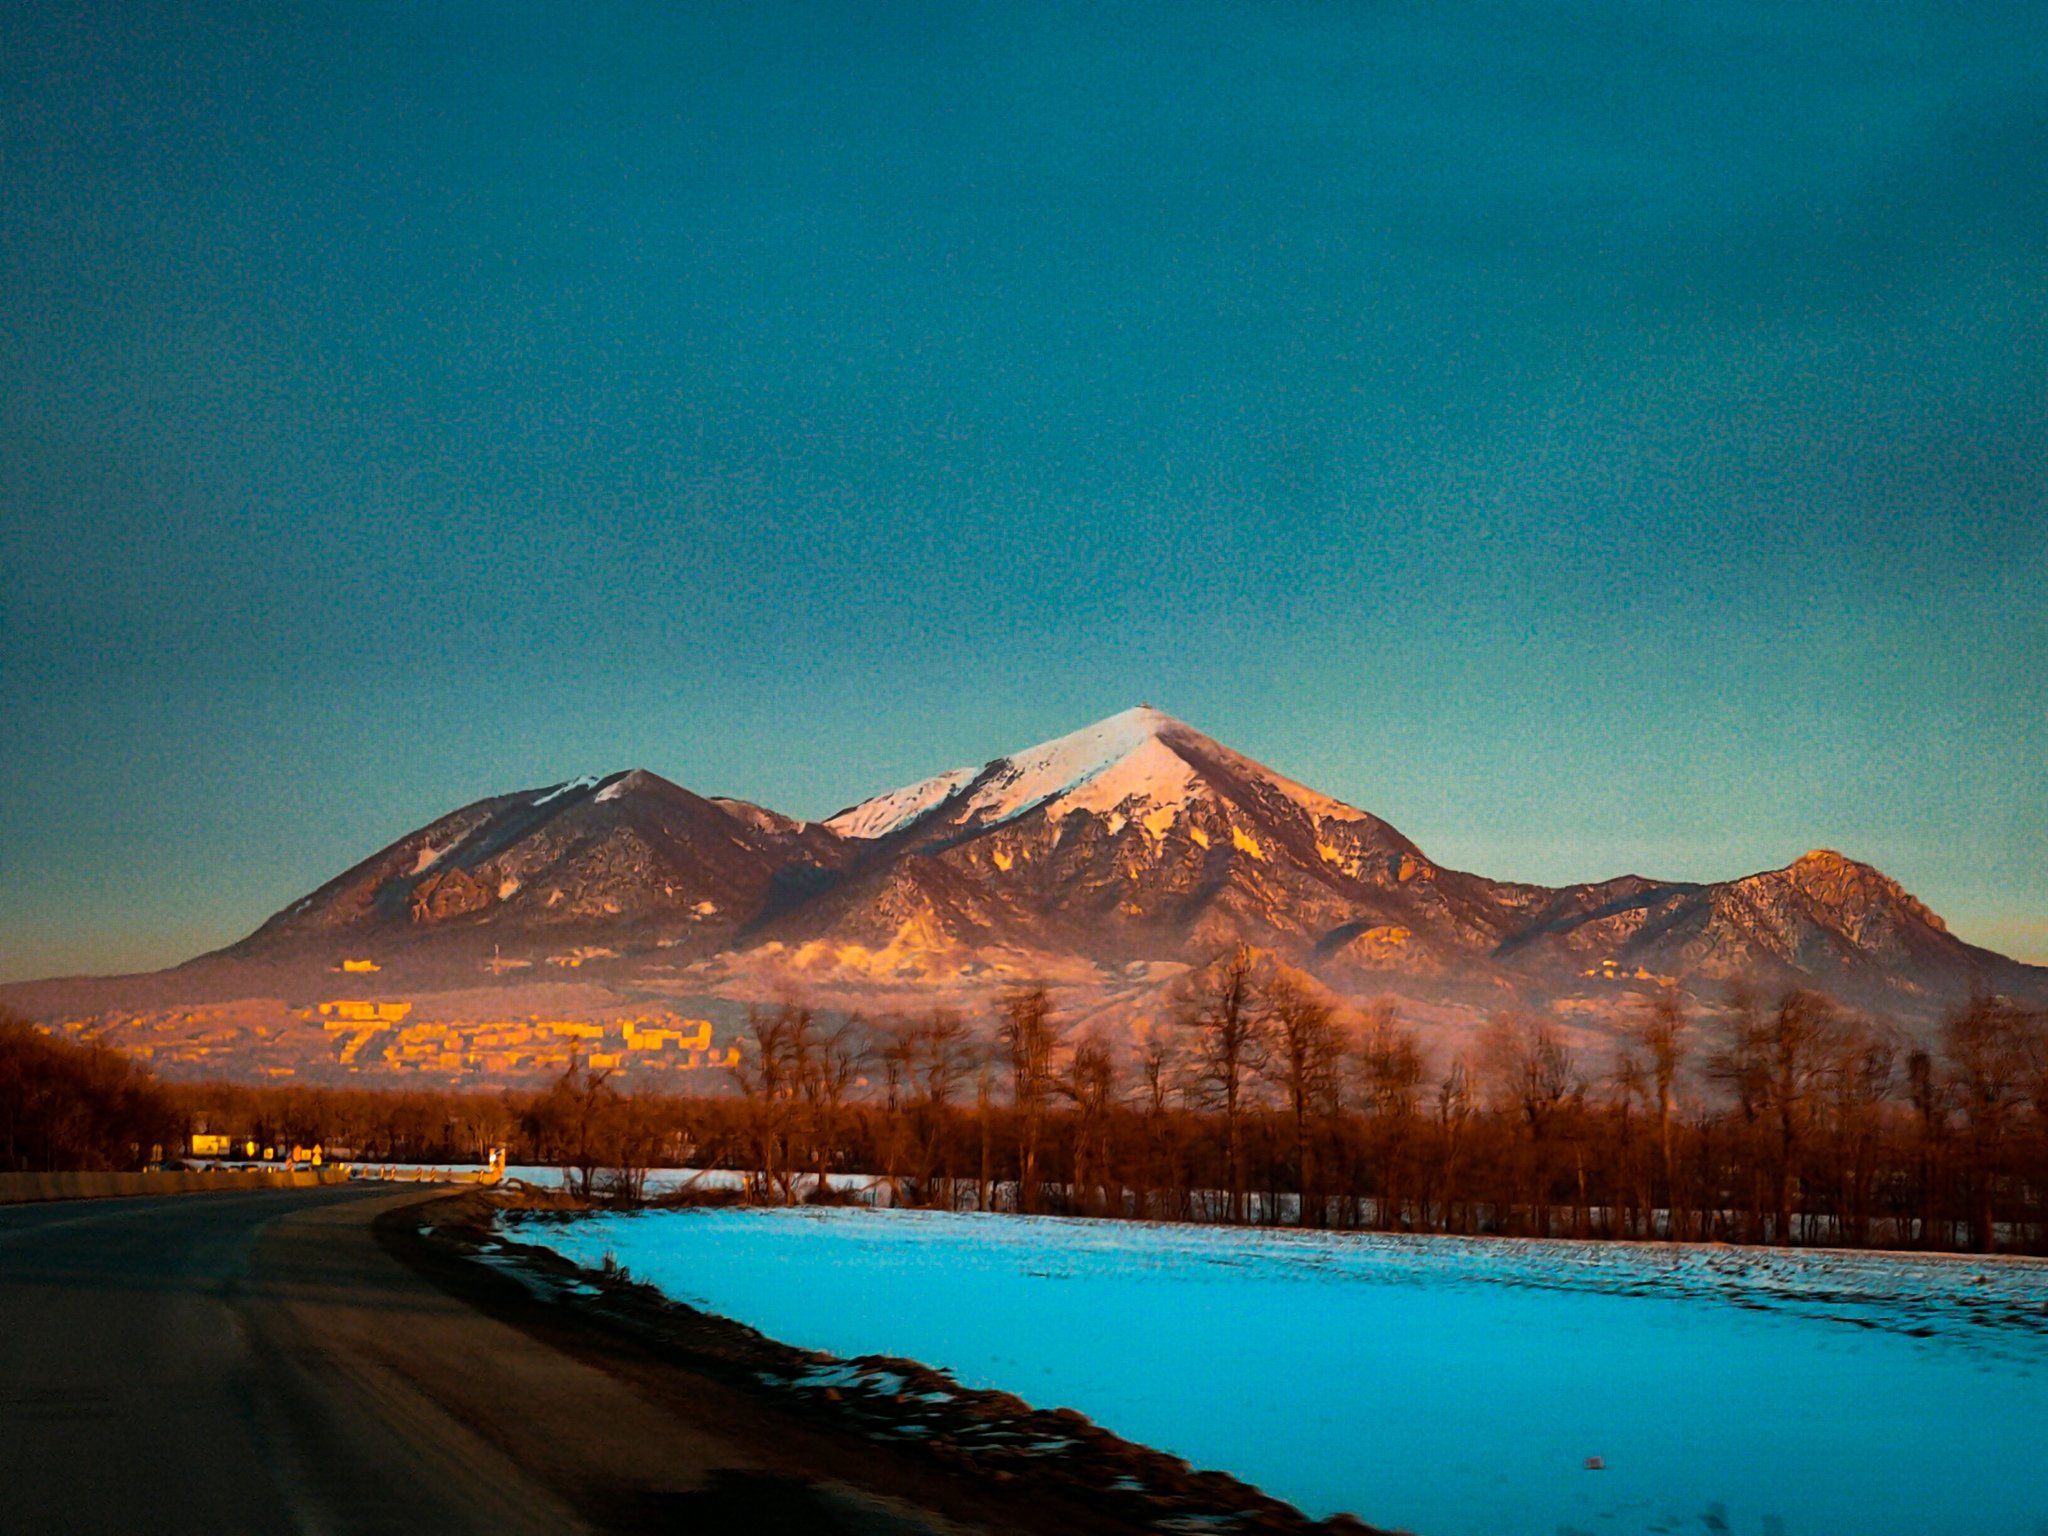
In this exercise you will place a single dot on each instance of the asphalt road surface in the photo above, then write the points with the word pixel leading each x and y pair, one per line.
pixel 259 1362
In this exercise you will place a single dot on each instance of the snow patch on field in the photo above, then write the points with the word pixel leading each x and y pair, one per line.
pixel 1453 1387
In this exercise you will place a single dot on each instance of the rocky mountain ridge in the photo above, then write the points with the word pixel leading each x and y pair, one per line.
pixel 1136 840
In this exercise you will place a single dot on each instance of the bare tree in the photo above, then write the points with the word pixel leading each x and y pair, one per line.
pixel 568 1122
pixel 1741 1066
pixel 1663 1038
pixel 1031 1032
pixel 1531 1072
pixel 943 1060
pixel 1858 1080
pixel 1453 1112
pixel 1529 1068
pixel 795 1071
pixel 940 1063
pixel 1092 1087
pixel 1629 1086
pixel 1307 1050
pixel 766 1071
pixel 486 1124
pixel 984 1115
pixel 1802 1028
pixel 1987 1050
pixel 1925 1090
pixel 895 1052
pixel 1159 1064
pixel 1229 1027
pixel 1387 1065
pixel 826 1072
pixel 628 1136
pixel 1390 1064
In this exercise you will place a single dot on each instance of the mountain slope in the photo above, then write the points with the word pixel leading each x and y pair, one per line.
pixel 1139 836
pixel 1823 920
pixel 628 856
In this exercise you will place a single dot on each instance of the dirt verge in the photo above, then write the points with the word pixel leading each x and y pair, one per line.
pixel 893 1426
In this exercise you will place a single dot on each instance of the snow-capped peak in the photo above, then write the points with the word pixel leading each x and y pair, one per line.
pixel 588 781
pixel 1137 762
pixel 1095 768
pixel 625 784
pixel 899 808
pixel 1009 786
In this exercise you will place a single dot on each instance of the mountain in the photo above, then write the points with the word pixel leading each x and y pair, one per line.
pixel 1824 920
pixel 1141 838
pixel 624 860
pixel 1109 860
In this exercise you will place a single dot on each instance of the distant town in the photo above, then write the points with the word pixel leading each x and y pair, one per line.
pixel 349 1039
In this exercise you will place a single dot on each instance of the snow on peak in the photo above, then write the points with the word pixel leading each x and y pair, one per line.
pixel 588 781
pixel 899 808
pixel 1131 763
pixel 624 784
pixel 1096 768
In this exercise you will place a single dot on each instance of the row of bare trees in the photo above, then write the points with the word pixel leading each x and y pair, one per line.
pixel 1260 1098
pixel 1265 1100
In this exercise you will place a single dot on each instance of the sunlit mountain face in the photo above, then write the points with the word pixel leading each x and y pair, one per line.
pixel 624 917
pixel 1134 840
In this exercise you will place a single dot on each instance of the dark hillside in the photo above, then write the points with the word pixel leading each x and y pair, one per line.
pixel 74 1108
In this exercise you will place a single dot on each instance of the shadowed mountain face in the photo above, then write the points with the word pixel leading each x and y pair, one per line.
pixel 630 858
pixel 1137 839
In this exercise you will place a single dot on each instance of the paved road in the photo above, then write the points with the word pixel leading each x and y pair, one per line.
pixel 259 1362
pixel 154 1377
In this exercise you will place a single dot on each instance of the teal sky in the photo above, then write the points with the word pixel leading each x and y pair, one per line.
pixel 1593 437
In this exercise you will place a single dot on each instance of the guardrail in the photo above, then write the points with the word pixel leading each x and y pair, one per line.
pixel 408 1173
pixel 20 1188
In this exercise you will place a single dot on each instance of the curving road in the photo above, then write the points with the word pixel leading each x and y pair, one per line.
pixel 157 1374
pixel 260 1362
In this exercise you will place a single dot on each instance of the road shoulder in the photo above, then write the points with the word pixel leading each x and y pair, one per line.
pixel 534 1420
pixel 890 1428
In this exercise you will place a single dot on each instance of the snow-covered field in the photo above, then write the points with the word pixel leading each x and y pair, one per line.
pixel 1452 1387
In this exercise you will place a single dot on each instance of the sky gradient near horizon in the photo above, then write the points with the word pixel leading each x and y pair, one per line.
pixel 1594 437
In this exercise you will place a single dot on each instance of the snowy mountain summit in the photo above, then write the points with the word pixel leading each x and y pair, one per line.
pixel 1141 765
pixel 1137 837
